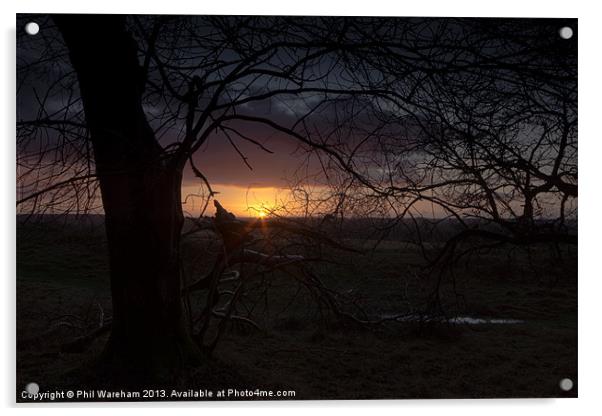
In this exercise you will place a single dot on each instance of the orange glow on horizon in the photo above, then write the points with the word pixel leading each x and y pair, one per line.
pixel 244 202
pixel 264 202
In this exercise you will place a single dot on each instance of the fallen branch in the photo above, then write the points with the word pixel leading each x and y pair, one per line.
pixel 80 344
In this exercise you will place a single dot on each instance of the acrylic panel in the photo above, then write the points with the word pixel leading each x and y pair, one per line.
pixel 295 208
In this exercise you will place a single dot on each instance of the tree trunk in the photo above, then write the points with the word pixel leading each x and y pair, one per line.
pixel 141 199
pixel 149 333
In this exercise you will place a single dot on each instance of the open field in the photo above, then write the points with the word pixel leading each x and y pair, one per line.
pixel 63 291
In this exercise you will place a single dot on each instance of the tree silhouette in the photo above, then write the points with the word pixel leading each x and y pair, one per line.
pixel 476 122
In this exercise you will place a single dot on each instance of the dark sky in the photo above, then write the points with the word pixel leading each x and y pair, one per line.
pixel 217 158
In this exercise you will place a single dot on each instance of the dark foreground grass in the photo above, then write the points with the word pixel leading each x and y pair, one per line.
pixel 62 292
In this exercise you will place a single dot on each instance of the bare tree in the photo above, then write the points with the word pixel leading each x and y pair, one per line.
pixel 476 121
pixel 200 73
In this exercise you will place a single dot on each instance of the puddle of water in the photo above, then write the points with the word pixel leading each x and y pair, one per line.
pixel 457 320
pixel 476 321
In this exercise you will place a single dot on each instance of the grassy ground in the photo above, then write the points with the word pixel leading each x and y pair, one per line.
pixel 63 291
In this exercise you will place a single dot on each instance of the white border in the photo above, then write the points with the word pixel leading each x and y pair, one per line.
pixel 590 166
